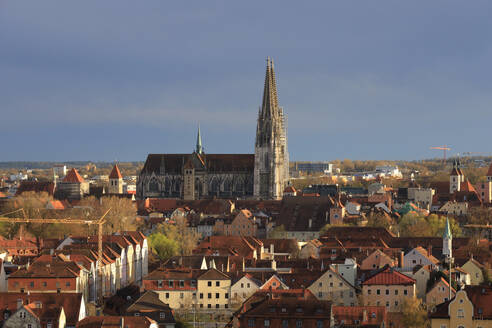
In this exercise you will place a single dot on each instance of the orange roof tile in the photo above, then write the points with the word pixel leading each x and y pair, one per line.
pixel 389 277
pixel 73 177
pixel 115 173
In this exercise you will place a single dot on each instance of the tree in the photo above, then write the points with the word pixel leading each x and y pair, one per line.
pixel 162 246
pixel 179 232
pixel 379 220
pixel 414 314
pixel 412 225
pixel 121 217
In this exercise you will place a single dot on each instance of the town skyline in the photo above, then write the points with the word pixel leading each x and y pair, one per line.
pixel 140 79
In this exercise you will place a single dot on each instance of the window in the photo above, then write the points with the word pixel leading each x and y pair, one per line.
pixel 49 325
pixel 461 313
pixel 38 305
pixel 181 283
pixel 67 284
pixel 321 284
pixel 396 303
pixel 162 315
pixel 405 292
pixel 387 303
pixel 387 291
pixel 159 283
pixel 248 285
pixel 320 294
pixel 299 309
pixel 283 310
pixel 285 323
pixel 351 294
pixel 217 284
pixel 242 285
pixel 266 323
pixel 319 324
pixel 378 292
pixel 45 284
pixel 298 323
pixel 216 306
pixel 226 295
pixel 396 291
pixel 209 306
pixel 331 284
pixel 274 284
pixel 31 284
pixel 209 295
pixel 171 284
pixel 209 283
pixel 22 314
pixel 251 322
pixel 201 295
pixel 217 295
pixel 167 295
pixel 181 295
pixel 368 292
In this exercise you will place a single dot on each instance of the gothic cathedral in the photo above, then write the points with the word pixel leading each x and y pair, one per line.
pixel 262 175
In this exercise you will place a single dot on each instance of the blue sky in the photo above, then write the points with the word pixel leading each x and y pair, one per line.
pixel 116 80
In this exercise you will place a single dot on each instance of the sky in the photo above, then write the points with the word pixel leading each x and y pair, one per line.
pixel 117 80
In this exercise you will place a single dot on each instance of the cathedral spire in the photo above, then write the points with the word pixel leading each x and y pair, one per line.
pixel 199 147
pixel 270 102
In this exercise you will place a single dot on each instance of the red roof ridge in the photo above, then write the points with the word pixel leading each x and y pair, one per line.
pixel 115 173
pixel 73 177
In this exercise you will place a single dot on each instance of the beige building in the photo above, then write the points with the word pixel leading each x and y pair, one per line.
pixel 471 308
pixel 331 286
pixel 377 260
pixel 421 275
pixel 474 269
pixel 455 208
pixel 213 290
pixel 439 293
pixel 388 288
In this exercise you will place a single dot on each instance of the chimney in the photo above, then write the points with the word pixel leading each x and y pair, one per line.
pixel 244 265
pixel 429 251
pixel 271 249
pixel 274 265
pixel 401 261
pixel 122 322
pixel 364 316
pixel 310 223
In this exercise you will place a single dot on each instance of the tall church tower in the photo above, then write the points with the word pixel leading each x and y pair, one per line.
pixel 271 156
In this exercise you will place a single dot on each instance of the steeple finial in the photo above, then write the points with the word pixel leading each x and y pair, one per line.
pixel 199 147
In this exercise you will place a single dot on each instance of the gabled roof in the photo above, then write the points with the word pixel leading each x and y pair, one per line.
pixel 354 315
pixel 73 177
pixel 115 173
pixel 480 297
pixel 115 322
pixel 214 274
pixel 388 276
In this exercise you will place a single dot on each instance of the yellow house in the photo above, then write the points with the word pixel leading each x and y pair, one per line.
pixel 213 290
pixel 470 308
pixel 331 286
pixel 388 288
pixel 474 268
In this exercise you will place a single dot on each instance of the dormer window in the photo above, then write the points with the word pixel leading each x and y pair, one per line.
pixel 299 309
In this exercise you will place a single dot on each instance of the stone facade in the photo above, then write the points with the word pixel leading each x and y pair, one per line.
pixel 263 174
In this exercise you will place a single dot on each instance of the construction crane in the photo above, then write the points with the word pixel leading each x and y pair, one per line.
pixel 99 222
pixel 444 149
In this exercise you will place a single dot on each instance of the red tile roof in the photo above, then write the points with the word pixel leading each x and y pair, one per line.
pixel 289 189
pixel 467 186
pixel 115 322
pixel 115 173
pixel 73 177
pixel 389 277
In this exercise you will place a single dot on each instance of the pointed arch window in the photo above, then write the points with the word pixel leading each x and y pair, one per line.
pixel 153 185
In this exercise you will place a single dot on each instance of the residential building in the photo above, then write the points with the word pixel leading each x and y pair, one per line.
pixel 377 260
pixel 117 321
pixel 214 289
pixel 439 293
pixel 242 288
pixel 388 288
pixel 419 256
pixel 73 186
pixel 360 316
pixel 149 305
pixel 331 286
pixel 469 308
pixel 475 269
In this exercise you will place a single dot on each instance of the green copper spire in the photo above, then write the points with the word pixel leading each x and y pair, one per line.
pixel 199 148
pixel 447 230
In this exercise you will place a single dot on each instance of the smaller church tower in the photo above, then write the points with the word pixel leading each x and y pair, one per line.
pixel 456 177
pixel 447 241
pixel 115 181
